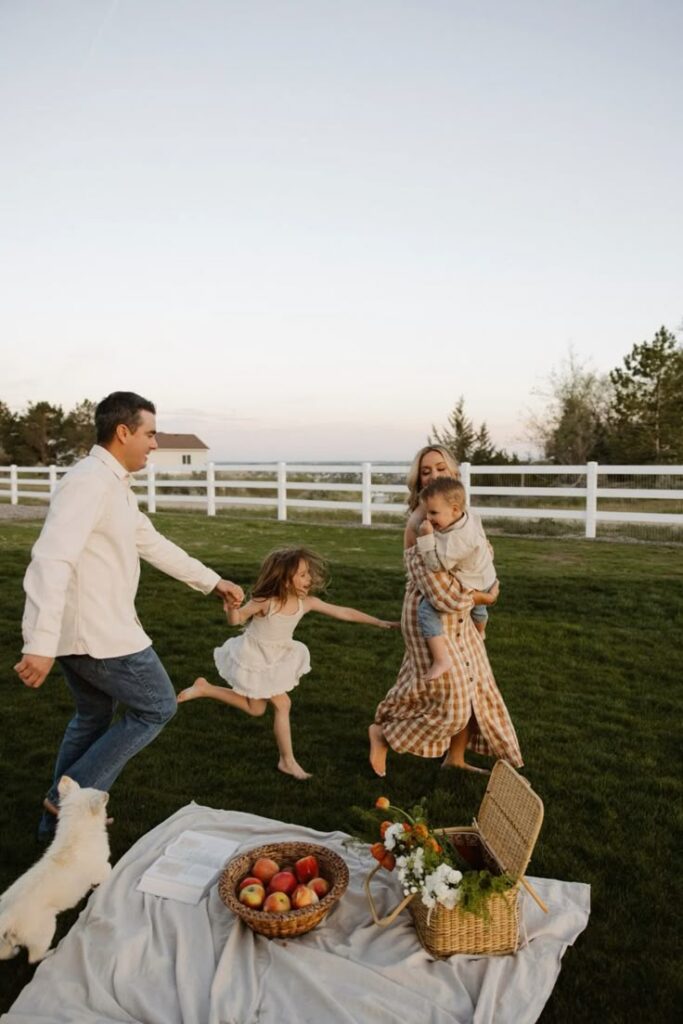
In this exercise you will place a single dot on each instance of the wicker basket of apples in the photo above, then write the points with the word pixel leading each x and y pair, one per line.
pixel 283 889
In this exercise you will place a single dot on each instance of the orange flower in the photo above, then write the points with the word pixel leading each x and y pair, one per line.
pixel 432 844
pixel 420 831
pixel 382 803
pixel 388 861
pixel 378 851
pixel 383 828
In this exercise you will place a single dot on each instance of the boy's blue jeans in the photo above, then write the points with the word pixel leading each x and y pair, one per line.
pixel 94 751
pixel 429 619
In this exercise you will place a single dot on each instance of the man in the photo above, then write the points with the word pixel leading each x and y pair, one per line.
pixel 80 602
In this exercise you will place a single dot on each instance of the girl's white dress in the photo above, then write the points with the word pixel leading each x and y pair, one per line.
pixel 264 660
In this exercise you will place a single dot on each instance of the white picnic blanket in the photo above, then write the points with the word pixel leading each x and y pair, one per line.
pixel 135 957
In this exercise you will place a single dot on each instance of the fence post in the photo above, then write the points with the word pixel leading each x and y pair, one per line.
pixel 52 475
pixel 151 489
pixel 211 489
pixel 13 485
pixel 591 498
pixel 366 494
pixel 465 474
pixel 282 491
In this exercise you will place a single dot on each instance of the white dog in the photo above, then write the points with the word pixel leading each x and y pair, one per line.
pixel 77 859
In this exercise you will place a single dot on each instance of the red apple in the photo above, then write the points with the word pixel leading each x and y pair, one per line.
pixel 249 880
pixel 306 868
pixel 320 886
pixel 283 881
pixel 303 897
pixel 277 903
pixel 264 869
pixel 253 896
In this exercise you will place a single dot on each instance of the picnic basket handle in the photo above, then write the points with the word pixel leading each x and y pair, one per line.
pixel 383 922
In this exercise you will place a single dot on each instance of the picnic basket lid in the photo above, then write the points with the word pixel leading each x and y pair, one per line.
pixel 510 818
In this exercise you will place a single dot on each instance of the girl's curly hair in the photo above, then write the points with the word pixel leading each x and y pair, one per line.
pixel 278 568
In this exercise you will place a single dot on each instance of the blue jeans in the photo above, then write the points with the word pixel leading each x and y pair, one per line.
pixel 94 751
pixel 429 619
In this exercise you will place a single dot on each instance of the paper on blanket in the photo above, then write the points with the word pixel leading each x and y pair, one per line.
pixel 188 867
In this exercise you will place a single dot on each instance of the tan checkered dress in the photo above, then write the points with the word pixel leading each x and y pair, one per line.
pixel 420 717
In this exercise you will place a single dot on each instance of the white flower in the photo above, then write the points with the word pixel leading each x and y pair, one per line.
pixel 391 835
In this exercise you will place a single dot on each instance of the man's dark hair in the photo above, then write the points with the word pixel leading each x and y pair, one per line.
pixel 119 407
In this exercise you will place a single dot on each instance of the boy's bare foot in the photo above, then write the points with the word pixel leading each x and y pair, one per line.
pixel 293 768
pixel 464 766
pixel 439 668
pixel 198 689
pixel 378 751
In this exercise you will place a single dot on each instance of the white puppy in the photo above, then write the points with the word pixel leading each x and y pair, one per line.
pixel 77 859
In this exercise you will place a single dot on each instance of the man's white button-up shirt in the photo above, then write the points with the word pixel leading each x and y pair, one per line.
pixel 83 576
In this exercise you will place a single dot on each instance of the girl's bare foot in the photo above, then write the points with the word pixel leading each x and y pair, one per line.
pixel 198 689
pixel 378 751
pixel 293 768
pixel 464 766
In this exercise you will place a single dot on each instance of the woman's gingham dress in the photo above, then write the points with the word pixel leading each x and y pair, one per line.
pixel 419 717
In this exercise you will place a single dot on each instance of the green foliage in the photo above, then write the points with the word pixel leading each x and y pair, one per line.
pixel 44 435
pixel 467 443
pixel 572 428
pixel 647 409
pixel 477 888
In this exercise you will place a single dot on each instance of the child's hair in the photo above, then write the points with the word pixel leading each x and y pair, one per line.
pixel 446 488
pixel 413 478
pixel 279 567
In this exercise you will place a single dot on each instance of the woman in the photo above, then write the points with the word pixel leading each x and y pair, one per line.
pixel 462 708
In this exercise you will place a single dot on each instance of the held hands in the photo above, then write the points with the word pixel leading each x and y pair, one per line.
pixel 425 529
pixel 33 669
pixel 231 594
pixel 384 624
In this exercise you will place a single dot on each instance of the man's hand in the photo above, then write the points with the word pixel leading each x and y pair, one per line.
pixel 33 669
pixel 425 529
pixel 231 594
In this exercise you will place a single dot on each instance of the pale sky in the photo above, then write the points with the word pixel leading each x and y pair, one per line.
pixel 305 228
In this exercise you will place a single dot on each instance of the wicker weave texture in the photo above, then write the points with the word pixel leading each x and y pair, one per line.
pixel 510 818
pixel 292 922
pixel 445 932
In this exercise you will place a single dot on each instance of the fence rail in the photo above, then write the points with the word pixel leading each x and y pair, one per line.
pixel 381 490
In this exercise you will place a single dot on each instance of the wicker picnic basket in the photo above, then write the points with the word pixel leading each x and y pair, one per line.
pixel 501 839
pixel 291 922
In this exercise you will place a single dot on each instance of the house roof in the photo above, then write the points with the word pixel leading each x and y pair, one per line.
pixel 174 442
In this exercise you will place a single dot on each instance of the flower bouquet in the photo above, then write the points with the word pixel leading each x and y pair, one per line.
pixel 429 866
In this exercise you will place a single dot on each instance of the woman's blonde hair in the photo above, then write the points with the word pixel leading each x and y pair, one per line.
pixel 278 568
pixel 413 478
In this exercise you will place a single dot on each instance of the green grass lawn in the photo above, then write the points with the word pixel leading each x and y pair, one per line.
pixel 585 644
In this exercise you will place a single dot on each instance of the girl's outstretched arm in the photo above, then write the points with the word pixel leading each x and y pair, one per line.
pixel 335 611
pixel 236 616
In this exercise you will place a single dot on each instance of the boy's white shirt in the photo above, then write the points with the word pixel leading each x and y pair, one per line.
pixel 462 548
pixel 83 576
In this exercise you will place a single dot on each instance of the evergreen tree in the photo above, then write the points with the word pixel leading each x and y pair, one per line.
pixel 465 442
pixel 646 416
pixel 572 428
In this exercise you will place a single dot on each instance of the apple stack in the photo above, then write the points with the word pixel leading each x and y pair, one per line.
pixel 284 889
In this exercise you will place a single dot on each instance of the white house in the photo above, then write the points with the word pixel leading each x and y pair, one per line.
pixel 179 450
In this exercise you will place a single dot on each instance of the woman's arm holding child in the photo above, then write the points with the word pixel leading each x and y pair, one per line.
pixel 335 611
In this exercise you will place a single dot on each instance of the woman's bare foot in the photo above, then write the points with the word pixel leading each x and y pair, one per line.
pixel 293 768
pixel 439 668
pixel 378 751
pixel 198 689
pixel 464 766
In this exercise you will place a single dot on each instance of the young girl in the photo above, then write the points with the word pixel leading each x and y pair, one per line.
pixel 264 662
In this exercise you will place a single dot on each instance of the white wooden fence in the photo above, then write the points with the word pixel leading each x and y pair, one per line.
pixel 378 490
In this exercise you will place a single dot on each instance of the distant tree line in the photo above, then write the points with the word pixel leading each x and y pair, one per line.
pixel 632 415
pixel 44 435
